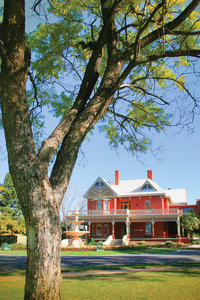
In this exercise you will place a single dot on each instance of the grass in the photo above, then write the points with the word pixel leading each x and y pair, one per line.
pixel 105 252
pixel 169 284
pixel 179 284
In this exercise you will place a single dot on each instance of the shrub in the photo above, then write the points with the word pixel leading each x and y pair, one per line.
pixel 16 246
pixel 169 244
pixel 92 241
pixel 142 243
pixel 100 243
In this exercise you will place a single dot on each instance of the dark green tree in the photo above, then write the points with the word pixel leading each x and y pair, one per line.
pixel 190 222
pixel 115 57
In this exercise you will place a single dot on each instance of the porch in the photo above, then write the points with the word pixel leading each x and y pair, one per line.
pixel 151 225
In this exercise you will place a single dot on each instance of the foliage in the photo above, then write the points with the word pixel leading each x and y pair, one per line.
pixel 17 246
pixel 92 241
pixel 11 218
pixel 190 222
pixel 169 244
pixel 142 243
pixel 63 50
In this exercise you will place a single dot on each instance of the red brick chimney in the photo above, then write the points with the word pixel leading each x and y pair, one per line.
pixel 150 174
pixel 117 177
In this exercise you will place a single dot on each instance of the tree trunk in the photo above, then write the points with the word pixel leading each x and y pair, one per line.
pixel 39 204
pixel 43 278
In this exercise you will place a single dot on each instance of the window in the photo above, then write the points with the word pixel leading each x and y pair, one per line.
pixel 187 210
pixel 147 205
pixel 126 205
pixel 99 184
pixel 106 228
pixel 105 205
pixel 99 228
pixel 99 205
pixel 148 228
pixel 147 187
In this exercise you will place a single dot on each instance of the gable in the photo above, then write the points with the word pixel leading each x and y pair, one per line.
pixel 100 189
pixel 147 187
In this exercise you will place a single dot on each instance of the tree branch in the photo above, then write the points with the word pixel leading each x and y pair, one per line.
pixel 163 30
pixel 51 144
pixel 143 90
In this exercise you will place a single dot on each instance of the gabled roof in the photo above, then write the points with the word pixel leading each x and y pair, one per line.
pixel 102 189
pixel 99 189
pixel 134 188
pixel 125 188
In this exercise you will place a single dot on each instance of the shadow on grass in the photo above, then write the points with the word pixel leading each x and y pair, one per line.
pixel 11 273
pixel 131 275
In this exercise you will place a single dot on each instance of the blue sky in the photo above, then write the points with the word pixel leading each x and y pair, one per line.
pixel 178 166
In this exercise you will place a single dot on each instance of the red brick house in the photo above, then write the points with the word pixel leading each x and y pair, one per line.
pixel 137 209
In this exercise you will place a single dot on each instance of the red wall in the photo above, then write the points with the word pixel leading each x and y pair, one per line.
pixel 195 207
pixel 139 203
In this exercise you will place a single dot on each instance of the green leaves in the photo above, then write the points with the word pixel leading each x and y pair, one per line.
pixel 62 105
pixel 129 129
pixel 11 219
pixel 61 57
pixel 190 222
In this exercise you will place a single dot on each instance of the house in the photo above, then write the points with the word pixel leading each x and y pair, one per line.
pixel 138 209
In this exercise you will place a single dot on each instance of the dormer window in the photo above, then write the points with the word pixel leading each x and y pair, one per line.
pixel 147 187
pixel 99 184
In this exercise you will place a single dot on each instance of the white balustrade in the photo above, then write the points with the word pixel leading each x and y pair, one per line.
pixel 127 212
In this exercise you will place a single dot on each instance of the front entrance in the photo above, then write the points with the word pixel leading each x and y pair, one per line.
pixel 172 229
pixel 120 230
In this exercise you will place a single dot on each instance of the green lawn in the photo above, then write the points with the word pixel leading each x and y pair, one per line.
pixel 106 252
pixel 177 285
pixel 169 284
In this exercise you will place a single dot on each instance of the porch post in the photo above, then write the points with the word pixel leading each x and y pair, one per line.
pixel 89 223
pixel 127 227
pixel 178 227
pixel 113 229
pixel 153 233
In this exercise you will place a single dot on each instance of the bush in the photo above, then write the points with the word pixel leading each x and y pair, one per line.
pixel 16 246
pixel 100 243
pixel 142 243
pixel 179 244
pixel 169 244
pixel 92 241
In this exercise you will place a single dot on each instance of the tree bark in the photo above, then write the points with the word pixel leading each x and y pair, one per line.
pixel 37 199
pixel 43 279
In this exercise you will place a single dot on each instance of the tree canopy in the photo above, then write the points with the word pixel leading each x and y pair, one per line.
pixel 190 222
pixel 11 218
pixel 154 44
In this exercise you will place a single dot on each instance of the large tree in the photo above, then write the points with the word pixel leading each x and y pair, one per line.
pixel 114 56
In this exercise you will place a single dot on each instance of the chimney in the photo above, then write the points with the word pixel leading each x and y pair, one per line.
pixel 150 174
pixel 117 177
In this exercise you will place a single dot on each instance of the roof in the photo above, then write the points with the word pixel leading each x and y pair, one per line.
pixel 178 196
pixel 136 187
pixel 102 189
